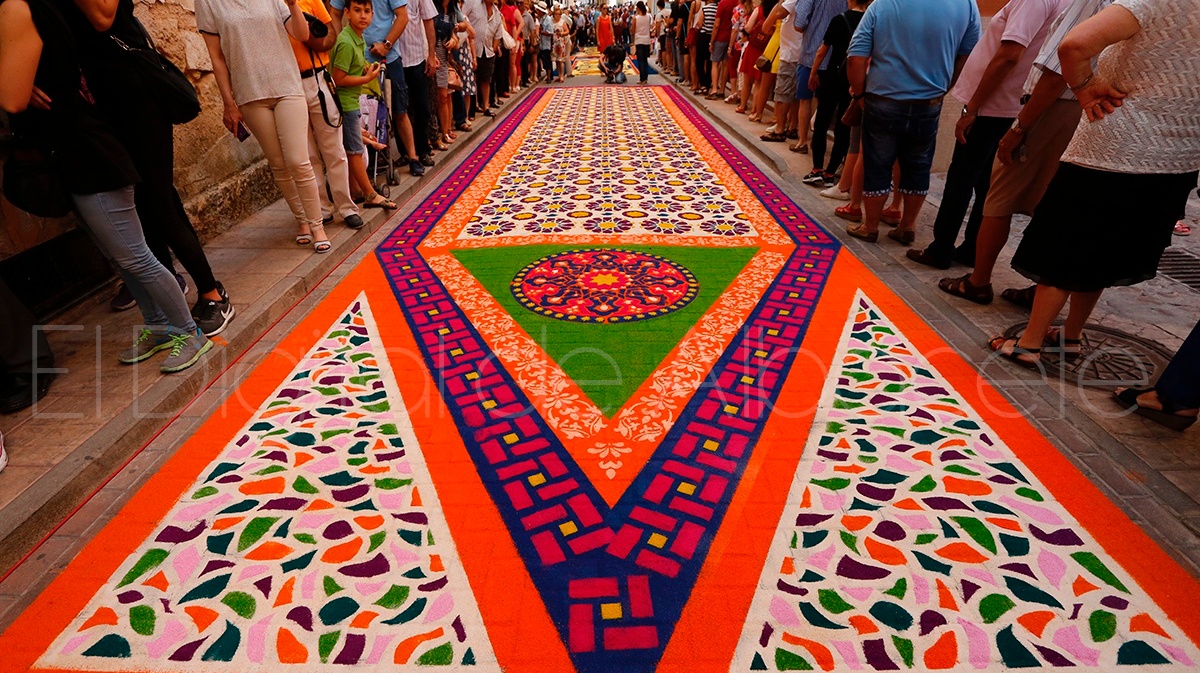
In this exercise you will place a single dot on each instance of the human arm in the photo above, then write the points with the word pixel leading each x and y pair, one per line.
pixel 1047 90
pixel 381 49
pixel 99 13
pixel 997 70
pixel 296 24
pixel 814 78
pixel 778 13
pixel 232 116
pixel 344 79
pixel 20 52
pixel 1097 96
pixel 431 59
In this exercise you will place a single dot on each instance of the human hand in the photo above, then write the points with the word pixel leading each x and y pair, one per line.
pixel 963 127
pixel 379 50
pixel 39 99
pixel 231 117
pixel 1006 152
pixel 431 64
pixel 1100 98
pixel 814 81
pixel 374 68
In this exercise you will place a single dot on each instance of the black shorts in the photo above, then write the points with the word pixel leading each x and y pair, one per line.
pixel 485 68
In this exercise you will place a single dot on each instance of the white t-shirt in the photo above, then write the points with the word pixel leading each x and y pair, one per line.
pixel 255 45
pixel 641 29
pixel 1157 129
pixel 1026 22
pixel 790 39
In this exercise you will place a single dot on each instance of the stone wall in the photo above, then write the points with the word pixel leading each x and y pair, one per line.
pixel 220 179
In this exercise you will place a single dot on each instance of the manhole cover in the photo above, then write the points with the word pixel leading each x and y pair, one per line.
pixel 1110 358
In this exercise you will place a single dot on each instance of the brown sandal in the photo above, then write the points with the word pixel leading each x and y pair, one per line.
pixel 1068 349
pixel 1020 297
pixel 962 287
pixel 1014 354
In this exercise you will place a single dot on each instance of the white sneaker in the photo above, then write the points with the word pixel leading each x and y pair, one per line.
pixel 3 454
pixel 835 194
pixel 771 128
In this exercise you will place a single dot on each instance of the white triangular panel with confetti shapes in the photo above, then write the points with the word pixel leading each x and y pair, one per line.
pixel 914 539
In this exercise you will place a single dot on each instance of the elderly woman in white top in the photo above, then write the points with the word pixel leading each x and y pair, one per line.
pixel 1125 178
pixel 260 86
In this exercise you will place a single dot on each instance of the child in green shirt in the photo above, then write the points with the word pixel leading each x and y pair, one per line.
pixel 350 73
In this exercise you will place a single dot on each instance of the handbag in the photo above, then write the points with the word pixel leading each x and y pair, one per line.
pixel 163 81
pixel 454 80
pixel 31 182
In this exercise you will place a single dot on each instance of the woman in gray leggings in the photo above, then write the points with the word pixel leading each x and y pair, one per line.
pixel 40 86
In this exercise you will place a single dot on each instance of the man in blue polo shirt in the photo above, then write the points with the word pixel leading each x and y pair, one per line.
pixel 382 37
pixel 916 51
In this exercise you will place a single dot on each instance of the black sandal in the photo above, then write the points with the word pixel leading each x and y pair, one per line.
pixel 998 343
pixel 772 137
pixel 962 287
pixel 1167 416
pixel 1067 349
pixel 1022 297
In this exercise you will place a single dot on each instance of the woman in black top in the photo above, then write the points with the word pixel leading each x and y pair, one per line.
pixel 137 120
pixel 40 55
pixel 833 95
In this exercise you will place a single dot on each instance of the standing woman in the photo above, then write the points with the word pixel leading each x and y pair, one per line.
pixel 40 66
pixel 1125 179
pixel 642 40
pixel 562 42
pixel 604 30
pixel 446 27
pixel 248 43
pixel 140 124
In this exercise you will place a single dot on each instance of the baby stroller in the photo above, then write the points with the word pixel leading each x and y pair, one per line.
pixel 376 119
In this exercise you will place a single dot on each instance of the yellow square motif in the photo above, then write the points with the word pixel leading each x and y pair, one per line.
pixel 610 611
pixel 471 376
pixel 784 312
pixel 657 540
pixel 730 409
pixel 711 445
pixel 511 438
pixel 536 480
pixel 456 352
pixel 773 332
pixel 793 295
pixel 432 311
pixel 748 380
pixel 444 331
pixel 489 404
pixel 686 488
pixel 568 528
pixel 760 354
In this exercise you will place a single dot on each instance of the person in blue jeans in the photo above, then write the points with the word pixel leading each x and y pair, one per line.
pixel 38 54
pixel 916 51
pixel 1175 400
pixel 389 20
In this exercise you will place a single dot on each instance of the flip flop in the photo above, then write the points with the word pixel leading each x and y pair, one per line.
pixel 384 204
pixel 1173 420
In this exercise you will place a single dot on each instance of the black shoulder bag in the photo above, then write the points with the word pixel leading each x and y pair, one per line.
pixel 165 82
pixel 319 31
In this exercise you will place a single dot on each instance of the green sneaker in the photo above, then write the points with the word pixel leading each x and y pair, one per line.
pixel 186 350
pixel 148 343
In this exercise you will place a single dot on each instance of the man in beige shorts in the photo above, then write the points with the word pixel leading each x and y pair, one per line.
pixel 1027 160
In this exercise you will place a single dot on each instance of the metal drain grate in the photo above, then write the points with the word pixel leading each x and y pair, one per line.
pixel 1110 358
pixel 1181 266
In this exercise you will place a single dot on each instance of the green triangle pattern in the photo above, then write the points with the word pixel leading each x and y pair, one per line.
pixel 607 361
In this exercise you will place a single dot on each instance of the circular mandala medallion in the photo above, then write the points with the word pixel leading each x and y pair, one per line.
pixel 604 286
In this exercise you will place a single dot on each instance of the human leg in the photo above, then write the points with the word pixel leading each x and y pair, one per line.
pixel 418 107
pixel 643 56
pixel 24 351
pixel 330 152
pixel 968 176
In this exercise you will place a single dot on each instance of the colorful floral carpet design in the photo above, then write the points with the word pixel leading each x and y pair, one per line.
pixel 315 540
pixel 457 474
pixel 919 540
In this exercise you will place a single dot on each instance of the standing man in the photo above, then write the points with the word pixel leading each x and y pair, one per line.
pixel 786 67
pixel 916 51
pixel 420 61
pixel 990 88
pixel 529 55
pixel 546 44
pixel 812 18
pixel 24 354
pixel 325 148
pixel 388 22
pixel 721 37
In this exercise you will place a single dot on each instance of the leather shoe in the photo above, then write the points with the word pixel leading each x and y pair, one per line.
pixel 354 221
pixel 19 392
pixel 928 259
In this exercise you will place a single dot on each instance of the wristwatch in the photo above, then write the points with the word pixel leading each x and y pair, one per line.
pixel 966 112
pixel 1017 128
pixel 387 44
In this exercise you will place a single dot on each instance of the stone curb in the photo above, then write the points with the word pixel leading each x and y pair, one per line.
pixel 47 503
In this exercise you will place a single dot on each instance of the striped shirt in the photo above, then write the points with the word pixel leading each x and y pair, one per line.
pixel 812 18
pixel 1047 59
pixel 709 9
